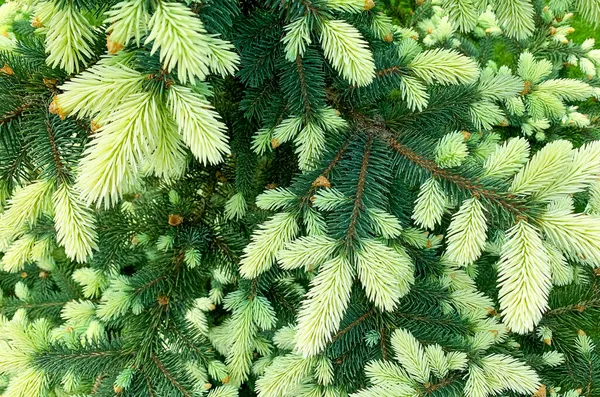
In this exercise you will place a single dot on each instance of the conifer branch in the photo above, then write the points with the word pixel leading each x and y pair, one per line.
pixel 578 307
pixel 15 114
pixel 55 152
pixel 353 324
pixel 170 377
pixel 476 189
pixel 303 88
pixel 97 384
pixel 360 189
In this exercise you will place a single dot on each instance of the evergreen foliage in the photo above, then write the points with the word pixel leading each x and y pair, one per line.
pixel 307 198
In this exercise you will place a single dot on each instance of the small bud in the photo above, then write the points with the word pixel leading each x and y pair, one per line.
pixel 488 30
pixel 43 274
pixel 134 240
pixel 526 88
pixel 429 244
pixel 552 31
pixel 493 332
pixel 429 30
pixel 163 300
pixel 369 4
pixel 94 126
pixel 175 220
pixel 50 83
pixel 54 108
pixel 221 177
pixel 321 181
pixel 36 23
pixel 112 46
pixel 23 274
pixel 207 386
pixel 597 272
pixel 225 379
pixel 7 70
pixel 570 30
pixel 580 308
pixel 548 341
pixel 388 38
pixel 117 389
pixel 580 332
pixel 271 186
pixel 466 135
pixel 541 392
pixel 275 143
pixel 212 307
pixel 491 311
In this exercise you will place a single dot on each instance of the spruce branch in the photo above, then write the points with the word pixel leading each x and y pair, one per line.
pixel 14 114
pixel 360 190
pixel 474 187
pixel 159 364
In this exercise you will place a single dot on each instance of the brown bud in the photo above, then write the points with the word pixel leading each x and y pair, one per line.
pixel 221 177
pixel 548 341
pixel 117 389
pixel 275 143
pixel 597 272
pixel 526 88
pixel 23 274
pixel 54 108
pixel 163 300
pixel 466 135
pixel 36 23
pixel 493 332
pixel 429 244
pixel 225 379
pixel 552 31
pixel 43 274
pixel 491 311
pixel 429 30
pixel 50 83
pixel 580 332
pixel 7 70
pixel 388 38
pixel 211 307
pixel 134 240
pixel 112 46
pixel 369 4
pixel 579 391
pixel 541 392
pixel 94 126
pixel 207 386
pixel 579 308
pixel 271 186
pixel 321 181
pixel 175 220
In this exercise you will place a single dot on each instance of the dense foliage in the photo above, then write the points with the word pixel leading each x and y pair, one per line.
pixel 299 198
